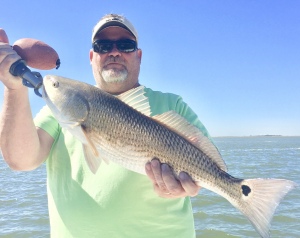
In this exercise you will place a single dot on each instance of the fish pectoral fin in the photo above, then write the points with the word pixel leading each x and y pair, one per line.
pixel 136 99
pixel 175 122
pixel 91 153
pixel 91 159
pixel 69 124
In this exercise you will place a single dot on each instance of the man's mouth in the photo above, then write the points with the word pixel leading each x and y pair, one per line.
pixel 114 65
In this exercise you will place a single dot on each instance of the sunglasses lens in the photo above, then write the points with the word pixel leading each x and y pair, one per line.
pixel 126 46
pixel 102 47
pixel 106 46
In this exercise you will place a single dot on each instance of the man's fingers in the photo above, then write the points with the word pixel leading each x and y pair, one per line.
pixel 166 184
pixel 173 185
pixel 188 184
pixel 149 172
pixel 156 170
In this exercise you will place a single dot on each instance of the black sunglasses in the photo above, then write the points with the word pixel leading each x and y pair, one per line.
pixel 106 46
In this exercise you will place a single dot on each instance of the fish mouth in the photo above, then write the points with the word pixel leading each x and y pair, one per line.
pixel 48 100
pixel 50 104
pixel 44 92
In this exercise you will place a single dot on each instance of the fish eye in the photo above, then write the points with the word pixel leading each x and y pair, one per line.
pixel 55 84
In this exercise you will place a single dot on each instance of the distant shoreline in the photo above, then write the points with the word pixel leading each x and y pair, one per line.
pixel 254 136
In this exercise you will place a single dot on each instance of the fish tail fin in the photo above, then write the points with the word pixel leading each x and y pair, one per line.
pixel 260 198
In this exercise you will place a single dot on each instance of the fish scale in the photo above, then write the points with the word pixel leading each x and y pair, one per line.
pixel 120 129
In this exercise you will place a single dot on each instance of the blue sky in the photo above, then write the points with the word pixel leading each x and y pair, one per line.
pixel 236 63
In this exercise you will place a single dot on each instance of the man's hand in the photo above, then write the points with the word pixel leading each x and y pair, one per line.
pixel 166 185
pixel 7 57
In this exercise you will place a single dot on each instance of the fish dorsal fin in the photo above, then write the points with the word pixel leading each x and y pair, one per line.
pixel 181 126
pixel 136 99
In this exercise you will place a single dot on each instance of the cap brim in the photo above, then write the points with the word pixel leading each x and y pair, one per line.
pixel 111 24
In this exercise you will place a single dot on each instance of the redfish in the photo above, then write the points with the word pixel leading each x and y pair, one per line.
pixel 120 129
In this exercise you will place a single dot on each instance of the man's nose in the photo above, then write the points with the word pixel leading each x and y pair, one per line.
pixel 114 51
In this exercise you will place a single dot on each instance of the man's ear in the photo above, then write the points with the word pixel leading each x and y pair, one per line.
pixel 91 55
pixel 140 53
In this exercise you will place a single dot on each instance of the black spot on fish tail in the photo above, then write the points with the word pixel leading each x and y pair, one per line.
pixel 246 190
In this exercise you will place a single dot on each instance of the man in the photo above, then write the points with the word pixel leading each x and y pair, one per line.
pixel 114 202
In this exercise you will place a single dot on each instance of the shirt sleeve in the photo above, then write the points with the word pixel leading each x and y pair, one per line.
pixel 46 121
pixel 184 110
pixel 163 102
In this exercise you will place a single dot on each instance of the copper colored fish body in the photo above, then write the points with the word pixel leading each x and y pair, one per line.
pixel 120 129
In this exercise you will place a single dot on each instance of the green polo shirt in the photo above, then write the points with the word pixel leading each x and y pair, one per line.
pixel 114 202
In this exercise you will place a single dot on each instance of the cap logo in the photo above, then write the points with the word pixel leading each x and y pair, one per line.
pixel 108 21
pixel 115 18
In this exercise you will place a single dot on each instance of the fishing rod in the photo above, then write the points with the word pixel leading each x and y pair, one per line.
pixel 35 54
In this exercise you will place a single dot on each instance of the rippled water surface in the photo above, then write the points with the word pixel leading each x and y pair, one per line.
pixel 252 157
pixel 23 200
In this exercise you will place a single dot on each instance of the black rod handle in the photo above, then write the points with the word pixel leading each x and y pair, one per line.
pixel 20 69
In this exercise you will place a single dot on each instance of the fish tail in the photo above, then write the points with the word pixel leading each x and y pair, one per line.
pixel 260 198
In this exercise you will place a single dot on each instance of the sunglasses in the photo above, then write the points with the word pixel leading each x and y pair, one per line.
pixel 106 46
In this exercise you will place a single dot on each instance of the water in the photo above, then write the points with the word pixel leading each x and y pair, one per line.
pixel 252 157
pixel 23 199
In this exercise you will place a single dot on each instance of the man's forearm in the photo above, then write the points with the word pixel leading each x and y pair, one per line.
pixel 18 136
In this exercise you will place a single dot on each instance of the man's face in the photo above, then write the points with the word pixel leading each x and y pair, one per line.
pixel 115 71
